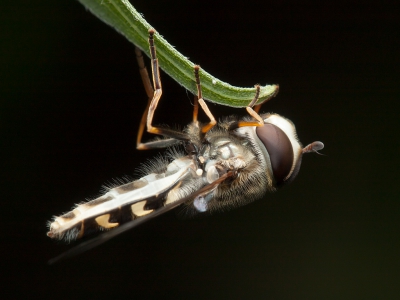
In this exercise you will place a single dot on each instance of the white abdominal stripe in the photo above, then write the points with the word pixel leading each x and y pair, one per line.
pixel 122 204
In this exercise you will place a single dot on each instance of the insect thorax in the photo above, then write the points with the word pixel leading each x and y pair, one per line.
pixel 222 150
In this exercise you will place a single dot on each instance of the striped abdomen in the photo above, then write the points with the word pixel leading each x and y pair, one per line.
pixel 126 202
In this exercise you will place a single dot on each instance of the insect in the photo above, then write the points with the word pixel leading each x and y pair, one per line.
pixel 212 166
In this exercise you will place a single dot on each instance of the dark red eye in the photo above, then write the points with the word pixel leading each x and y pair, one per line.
pixel 279 148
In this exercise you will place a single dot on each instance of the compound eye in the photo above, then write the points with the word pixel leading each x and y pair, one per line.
pixel 279 148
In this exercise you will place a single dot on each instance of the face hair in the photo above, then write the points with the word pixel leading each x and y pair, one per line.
pixel 212 166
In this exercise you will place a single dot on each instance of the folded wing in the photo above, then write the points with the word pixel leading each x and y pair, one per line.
pixel 129 201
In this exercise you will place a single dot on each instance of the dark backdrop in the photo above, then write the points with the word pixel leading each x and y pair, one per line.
pixel 71 99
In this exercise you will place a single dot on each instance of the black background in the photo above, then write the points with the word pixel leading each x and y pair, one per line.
pixel 71 99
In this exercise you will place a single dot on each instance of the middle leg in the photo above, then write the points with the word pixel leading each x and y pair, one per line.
pixel 202 103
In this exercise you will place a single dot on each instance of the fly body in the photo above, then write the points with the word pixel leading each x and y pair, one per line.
pixel 210 167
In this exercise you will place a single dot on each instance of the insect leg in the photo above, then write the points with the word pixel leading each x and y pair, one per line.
pixel 195 109
pixel 202 103
pixel 257 108
pixel 149 91
pixel 253 113
pixel 156 95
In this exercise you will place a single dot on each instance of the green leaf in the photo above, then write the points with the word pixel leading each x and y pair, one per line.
pixel 121 15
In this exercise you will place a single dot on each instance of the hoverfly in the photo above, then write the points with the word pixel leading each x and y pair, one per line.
pixel 220 166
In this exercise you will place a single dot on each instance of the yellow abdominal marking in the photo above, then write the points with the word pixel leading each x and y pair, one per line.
pixel 81 231
pixel 138 209
pixel 103 221
pixel 173 195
